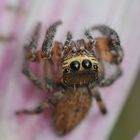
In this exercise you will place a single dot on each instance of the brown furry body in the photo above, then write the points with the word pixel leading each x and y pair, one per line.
pixel 70 110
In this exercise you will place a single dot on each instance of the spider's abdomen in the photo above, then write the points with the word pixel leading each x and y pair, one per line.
pixel 70 110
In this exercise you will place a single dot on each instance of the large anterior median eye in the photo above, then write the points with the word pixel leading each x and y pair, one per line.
pixel 86 64
pixel 75 65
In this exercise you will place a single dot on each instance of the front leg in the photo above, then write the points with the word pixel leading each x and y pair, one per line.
pixel 31 52
pixel 32 55
pixel 30 49
pixel 49 37
pixel 108 44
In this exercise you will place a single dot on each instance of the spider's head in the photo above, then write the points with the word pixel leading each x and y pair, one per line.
pixel 80 66
pixel 80 70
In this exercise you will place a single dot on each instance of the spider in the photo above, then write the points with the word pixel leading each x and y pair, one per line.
pixel 74 70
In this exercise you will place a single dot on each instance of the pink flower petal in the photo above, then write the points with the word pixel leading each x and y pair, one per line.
pixel 16 91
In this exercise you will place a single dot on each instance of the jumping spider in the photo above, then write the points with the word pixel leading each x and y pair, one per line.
pixel 74 70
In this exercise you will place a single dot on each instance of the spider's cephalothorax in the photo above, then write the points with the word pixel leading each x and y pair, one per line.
pixel 74 71
pixel 80 70
pixel 80 67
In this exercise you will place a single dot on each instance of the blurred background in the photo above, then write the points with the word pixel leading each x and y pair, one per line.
pixel 17 20
pixel 127 126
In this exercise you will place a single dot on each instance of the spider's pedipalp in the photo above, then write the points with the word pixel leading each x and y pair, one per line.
pixel 68 40
pixel 49 37
pixel 90 38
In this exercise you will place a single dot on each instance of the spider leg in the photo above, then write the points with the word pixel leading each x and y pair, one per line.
pixel 30 74
pixel 55 98
pixel 39 109
pixel 49 37
pixel 42 107
pixel 109 81
pixel 32 55
pixel 90 38
pixel 109 50
pixel 95 93
pixel 30 48
pixel 51 79
pixel 114 45
pixel 68 40
pixel 34 37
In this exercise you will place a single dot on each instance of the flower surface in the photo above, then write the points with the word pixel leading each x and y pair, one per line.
pixel 17 19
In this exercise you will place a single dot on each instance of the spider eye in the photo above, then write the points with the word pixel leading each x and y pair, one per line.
pixel 86 64
pixel 95 67
pixel 66 70
pixel 75 65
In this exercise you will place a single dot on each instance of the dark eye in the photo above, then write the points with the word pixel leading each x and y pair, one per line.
pixel 75 65
pixel 66 70
pixel 86 64
pixel 95 67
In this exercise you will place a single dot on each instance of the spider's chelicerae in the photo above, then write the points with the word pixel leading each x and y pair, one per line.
pixel 74 70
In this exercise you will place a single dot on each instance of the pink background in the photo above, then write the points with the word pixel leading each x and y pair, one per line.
pixel 17 92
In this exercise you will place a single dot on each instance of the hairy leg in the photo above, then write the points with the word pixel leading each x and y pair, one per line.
pixel 30 74
pixel 49 37
pixel 114 45
pixel 43 106
pixel 32 55
pixel 48 50
pixel 30 48
pixel 90 38
pixel 109 81
pixel 39 109
pixel 95 93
